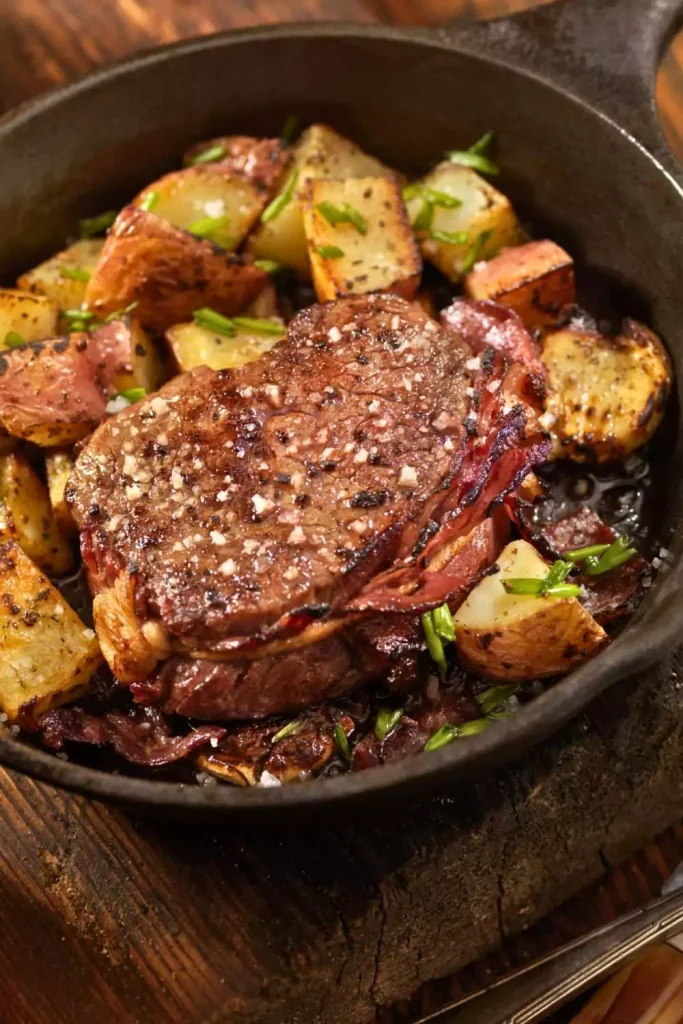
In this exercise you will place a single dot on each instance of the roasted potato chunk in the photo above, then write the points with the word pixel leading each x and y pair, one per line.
pixel 320 153
pixel 207 202
pixel 30 514
pixel 144 368
pixel 58 467
pixel 47 654
pixel 520 637
pixel 32 317
pixel 193 345
pixel 63 278
pixel 259 161
pixel 536 280
pixel 606 396
pixel 377 253
pixel 56 392
pixel 485 216
pixel 168 273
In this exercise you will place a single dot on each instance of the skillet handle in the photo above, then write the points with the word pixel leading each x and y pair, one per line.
pixel 607 52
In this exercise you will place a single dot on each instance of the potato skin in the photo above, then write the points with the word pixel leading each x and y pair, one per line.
pixel 550 642
pixel 606 396
pixel 261 162
pixel 536 280
pixel 168 272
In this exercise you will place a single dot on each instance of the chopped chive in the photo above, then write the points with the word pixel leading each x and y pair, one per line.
pixel 249 323
pixel 282 200
pixel 269 266
pixel 528 587
pixel 443 623
pixel 78 319
pixel 74 273
pixel 289 129
pixel 411 191
pixel 214 321
pixel 208 156
pixel 149 201
pixel 618 553
pixel 344 214
pixel 342 741
pixel 424 218
pixel 494 699
pixel 434 644
pixel 557 574
pixel 482 144
pixel 287 730
pixel 213 229
pixel 563 590
pixel 89 227
pixel 434 196
pixel 581 554
pixel 450 237
pixel 14 340
pixel 475 252
pixel 386 721
pixel 477 161
pixel 119 314
pixel 132 395
pixel 445 735
pixel 330 252
pixel 474 727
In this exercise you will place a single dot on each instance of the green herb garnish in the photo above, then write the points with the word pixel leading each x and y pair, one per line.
pixel 475 156
pixel 92 226
pixel 473 727
pixel 119 314
pixel 74 273
pixel 552 584
pixel 287 730
pixel 77 318
pixel 208 156
pixel 132 395
pixel 581 554
pixel 269 266
pixel 149 201
pixel 557 573
pixel 330 252
pixel 445 735
pixel 493 700
pixel 214 321
pixel 431 195
pixel 342 741
pixel 250 323
pixel 386 721
pixel 282 200
pixel 618 553
pixel 450 237
pixel 434 644
pixel 14 340
pixel 529 587
pixel 344 214
pixel 213 229
pixel 482 144
pixel 424 218
pixel 475 252
pixel 443 623
pixel 289 129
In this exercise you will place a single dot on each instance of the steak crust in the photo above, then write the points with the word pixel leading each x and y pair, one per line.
pixel 246 503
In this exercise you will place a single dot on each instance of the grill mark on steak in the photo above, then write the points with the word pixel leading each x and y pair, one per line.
pixel 179 478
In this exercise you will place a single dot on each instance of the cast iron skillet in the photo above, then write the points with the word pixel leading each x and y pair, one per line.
pixel 569 90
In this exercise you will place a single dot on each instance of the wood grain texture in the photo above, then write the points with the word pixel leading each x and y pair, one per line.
pixel 112 919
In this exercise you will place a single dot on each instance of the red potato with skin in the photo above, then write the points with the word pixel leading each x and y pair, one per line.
pixel 168 272
pixel 261 162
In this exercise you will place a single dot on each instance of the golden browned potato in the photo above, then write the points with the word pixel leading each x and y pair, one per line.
pixel 536 280
pixel 519 637
pixel 320 153
pixel 479 227
pixel 63 277
pixel 374 252
pixel 144 368
pixel 58 467
pixel 32 317
pixel 47 654
pixel 193 345
pixel 33 523
pixel 259 161
pixel 606 396
pixel 207 202
pixel 56 392
pixel 168 273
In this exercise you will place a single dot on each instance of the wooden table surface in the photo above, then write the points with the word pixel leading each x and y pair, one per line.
pixel 112 920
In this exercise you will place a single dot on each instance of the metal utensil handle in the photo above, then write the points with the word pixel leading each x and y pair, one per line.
pixel 604 51
pixel 530 994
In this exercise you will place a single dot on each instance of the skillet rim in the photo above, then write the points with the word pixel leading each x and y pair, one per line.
pixel 542 717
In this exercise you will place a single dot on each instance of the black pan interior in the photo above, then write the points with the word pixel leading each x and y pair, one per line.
pixel 406 99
